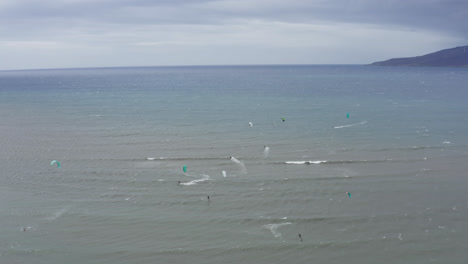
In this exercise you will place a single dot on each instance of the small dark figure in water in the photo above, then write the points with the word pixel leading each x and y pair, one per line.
pixel 208 197
pixel 178 183
pixel 300 237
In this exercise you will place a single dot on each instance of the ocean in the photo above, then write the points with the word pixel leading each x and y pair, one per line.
pixel 234 164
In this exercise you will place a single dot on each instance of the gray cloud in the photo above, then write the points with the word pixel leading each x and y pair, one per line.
pixel 149 30
pixel 447 15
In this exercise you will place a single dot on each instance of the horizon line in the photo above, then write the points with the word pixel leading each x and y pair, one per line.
pixel 177 66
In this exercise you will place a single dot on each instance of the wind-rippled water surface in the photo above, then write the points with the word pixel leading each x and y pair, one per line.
pixel 271 146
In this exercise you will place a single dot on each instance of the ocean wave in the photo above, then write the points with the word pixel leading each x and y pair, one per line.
pixel 221 250
pixel 58 213
pixel 240 163
pixel 256 161
pixel 410 148
pixel 204 178
pixel 351 125
pixel 318 162
pixel 186 158
pixel 306 162
pixel 274 228
pixel 277 222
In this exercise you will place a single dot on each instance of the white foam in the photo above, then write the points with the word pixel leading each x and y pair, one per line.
pixel 399 236
pixel 224 173
pixel 266 151
pixel 302 162
pixel 58 214
pixel 241 165
pixel 160 158
pixel 274 228
pixel 295 162
pixel 317 161
pixel 204 178
pixel 250 124
pixel 446 142
pixel 350 125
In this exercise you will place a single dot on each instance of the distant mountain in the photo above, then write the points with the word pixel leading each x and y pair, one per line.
pixel 454 57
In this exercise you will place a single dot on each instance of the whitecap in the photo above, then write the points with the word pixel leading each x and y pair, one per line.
pixel 317 161
pixel 205 178
pixel 296 162
pixel 351 125
pixel 306 162
pixel 160 158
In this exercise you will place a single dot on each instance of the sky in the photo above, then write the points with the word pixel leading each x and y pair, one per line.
pixel 38 34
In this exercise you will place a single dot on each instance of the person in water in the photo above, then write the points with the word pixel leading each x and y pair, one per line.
pixel 300 237
pixel 208 197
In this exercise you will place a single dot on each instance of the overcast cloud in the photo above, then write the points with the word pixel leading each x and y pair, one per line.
pixel 101 33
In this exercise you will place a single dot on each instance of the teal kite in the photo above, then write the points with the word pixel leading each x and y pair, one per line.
pixel 347 115
pixel 185 168
pixel 54 161
pixel 349 194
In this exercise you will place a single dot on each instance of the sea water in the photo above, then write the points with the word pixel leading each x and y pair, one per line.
pixel 271 146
